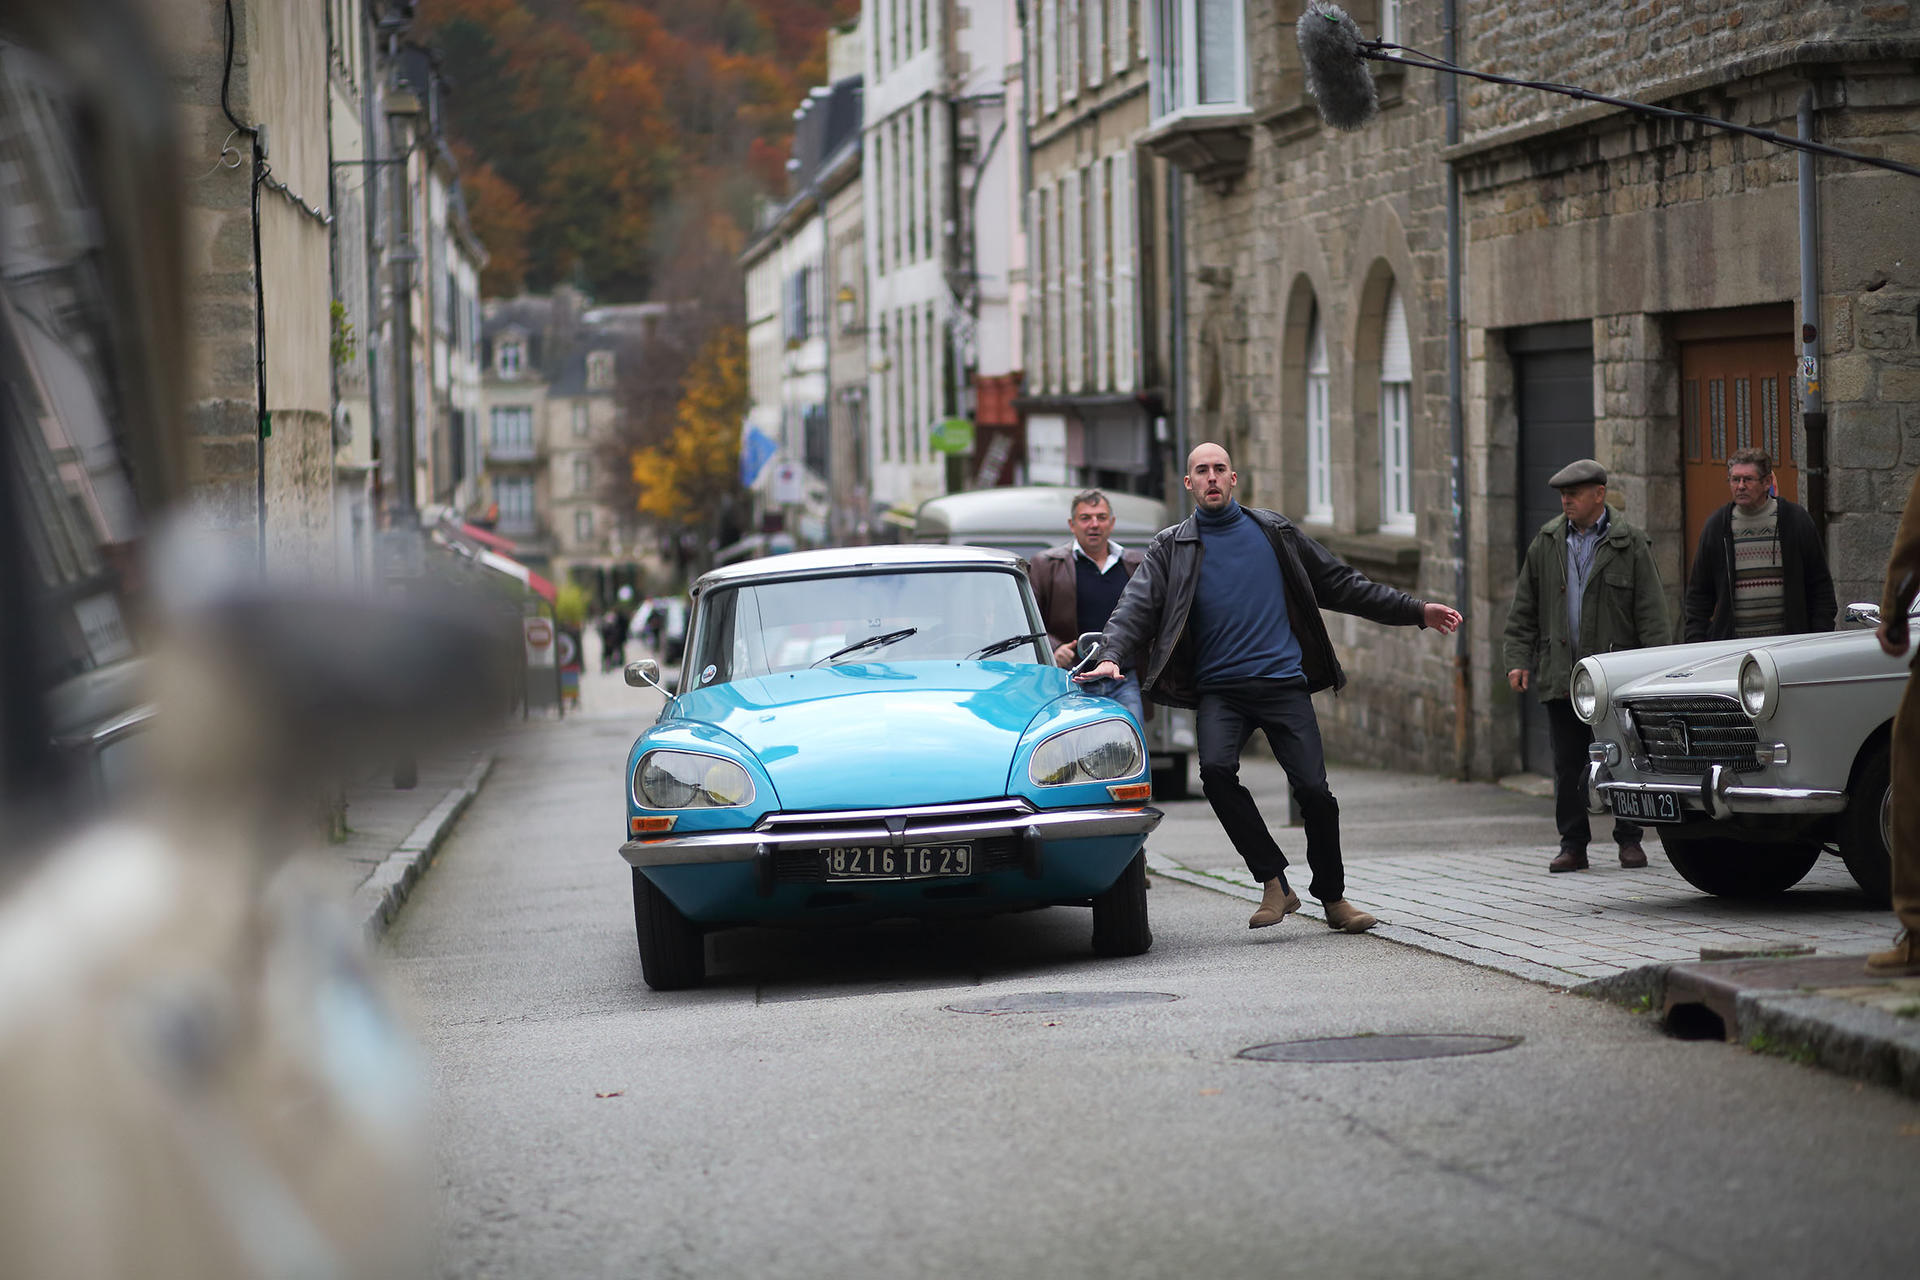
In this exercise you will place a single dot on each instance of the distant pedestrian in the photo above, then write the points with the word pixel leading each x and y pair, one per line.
pixel 1760 569
pixel 1589 585
pixel 1224 615
pixel 1896 598
pixel 1078 583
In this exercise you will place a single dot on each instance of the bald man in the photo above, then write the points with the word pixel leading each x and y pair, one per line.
pixel 1223 615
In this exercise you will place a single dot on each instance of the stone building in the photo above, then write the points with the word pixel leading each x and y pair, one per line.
pixel 1095 378
pixel 1629 289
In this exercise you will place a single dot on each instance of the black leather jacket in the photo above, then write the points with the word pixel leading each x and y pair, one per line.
pixel 1148 630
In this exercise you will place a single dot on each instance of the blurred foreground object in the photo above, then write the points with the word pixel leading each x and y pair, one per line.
pixel 198 1077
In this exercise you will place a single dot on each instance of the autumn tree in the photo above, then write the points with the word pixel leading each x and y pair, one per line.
pixel 690 483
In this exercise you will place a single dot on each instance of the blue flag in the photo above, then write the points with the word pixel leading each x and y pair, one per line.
pixel 756 451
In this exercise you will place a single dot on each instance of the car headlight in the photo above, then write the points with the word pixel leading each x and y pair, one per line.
pixel 688 780
pixel 1759 685
pixel 1589 692
pixel 1098 752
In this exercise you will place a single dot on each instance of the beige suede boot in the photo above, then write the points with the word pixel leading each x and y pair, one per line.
pixel 1277 902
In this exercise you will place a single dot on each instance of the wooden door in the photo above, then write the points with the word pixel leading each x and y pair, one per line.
pixel 1735 393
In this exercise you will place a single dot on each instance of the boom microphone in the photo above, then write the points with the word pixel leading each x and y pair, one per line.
pixel 1337 77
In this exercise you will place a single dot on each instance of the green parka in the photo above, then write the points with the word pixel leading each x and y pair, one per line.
pixel 1624 607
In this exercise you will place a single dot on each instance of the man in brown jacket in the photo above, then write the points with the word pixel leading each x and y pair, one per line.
pixel 1903 581
pixel 1078 583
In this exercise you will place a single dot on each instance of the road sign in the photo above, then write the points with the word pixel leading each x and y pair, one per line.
pixel 787 490
pixel 539 637
pixel 952 435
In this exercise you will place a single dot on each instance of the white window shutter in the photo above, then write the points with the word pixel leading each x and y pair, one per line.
pixel 1119 45
pixel 1101 277
pixel 1050 55
pixel 1030 62
pixel 1070 44
pixel 1396 356
pixel 1035 355
pixel 1094 53
pixel 1056 363
pixel 1125 360
pixel 1073 207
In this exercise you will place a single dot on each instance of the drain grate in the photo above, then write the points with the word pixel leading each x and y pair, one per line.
pixel 1057 1001
pixel 1377 1048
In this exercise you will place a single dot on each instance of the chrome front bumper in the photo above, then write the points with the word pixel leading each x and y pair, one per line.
pixel 893 828
pixel 1718 794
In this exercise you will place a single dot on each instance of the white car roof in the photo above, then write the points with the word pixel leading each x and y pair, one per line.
pixel 1031 509
pixel 834 560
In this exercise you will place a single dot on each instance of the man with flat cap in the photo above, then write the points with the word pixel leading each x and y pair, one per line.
pixel 1589 585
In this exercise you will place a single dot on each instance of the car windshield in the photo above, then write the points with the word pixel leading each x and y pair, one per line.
pixel 760 628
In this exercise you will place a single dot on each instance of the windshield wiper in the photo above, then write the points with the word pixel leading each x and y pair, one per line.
pixel 871 642
pixel 1011 642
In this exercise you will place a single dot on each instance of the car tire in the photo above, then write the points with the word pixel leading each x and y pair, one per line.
pixel 1728 868
pixel 1863 827
pixel 1171 783
pixel 673 951
pixel 1120 913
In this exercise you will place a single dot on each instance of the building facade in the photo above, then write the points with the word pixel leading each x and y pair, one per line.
pixel 1627 289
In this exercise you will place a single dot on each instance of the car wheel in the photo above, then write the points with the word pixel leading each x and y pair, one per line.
pixel 1171 783
pixel 1728 868
pixel 673 951
pixel 1866 841
pixel 1120 914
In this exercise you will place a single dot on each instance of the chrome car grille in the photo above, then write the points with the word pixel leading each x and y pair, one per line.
pixel 1691 735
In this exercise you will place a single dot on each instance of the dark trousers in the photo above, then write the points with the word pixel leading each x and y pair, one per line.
pixel 1570 736
pixel 1284 712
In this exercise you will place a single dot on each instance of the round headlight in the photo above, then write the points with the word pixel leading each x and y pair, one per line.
pixel 688 780
pixel 1588 691
pixel 1100 752
pixel 1759 685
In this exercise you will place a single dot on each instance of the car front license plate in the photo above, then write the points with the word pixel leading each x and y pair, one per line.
pixel 1645 806
pixel 883 862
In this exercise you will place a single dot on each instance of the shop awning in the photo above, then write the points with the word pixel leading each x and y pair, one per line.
pixel 520 573
pixel 488 538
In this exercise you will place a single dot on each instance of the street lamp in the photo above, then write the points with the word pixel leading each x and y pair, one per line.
pixel 847 310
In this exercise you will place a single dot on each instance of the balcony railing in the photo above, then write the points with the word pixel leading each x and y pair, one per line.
pixel 512 451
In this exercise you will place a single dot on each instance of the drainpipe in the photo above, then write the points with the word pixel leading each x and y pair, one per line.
pixel 1456 417
pixel 1814 413
pixel 1177 306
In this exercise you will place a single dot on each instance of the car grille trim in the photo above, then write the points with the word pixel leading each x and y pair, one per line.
pixel 838 819
pixel 1689 735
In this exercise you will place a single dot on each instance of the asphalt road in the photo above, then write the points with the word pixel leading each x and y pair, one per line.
pixel 820 1110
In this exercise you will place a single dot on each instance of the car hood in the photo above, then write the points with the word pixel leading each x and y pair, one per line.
pixel 1714 667
pixel 865 734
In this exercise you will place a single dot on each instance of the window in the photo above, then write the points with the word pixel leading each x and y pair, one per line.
pixel 1073 211
pixel 1094 57
pixel 883 399
pixel 512 431
pixel 1117 41
pixel 1396 438
pixel 582 475
pixel 1049 55
pixel 929 215
pixel 583 526
pixel 1199 58
pixel 1389 21
pixel 510 357
pixel 599 370
pixel 580 420
pixel 1123 299
pixel 514 496
pixel 1101 283
pixel 913 417
pixel 1319 425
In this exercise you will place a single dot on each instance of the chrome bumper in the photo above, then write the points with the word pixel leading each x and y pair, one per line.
pixel 877 827
pixel 1716 795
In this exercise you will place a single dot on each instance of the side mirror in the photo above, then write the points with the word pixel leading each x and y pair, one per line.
pixel 644 674
pixel 1087 650
pixel 1861 613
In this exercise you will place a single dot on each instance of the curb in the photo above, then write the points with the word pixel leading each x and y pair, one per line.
pixel 381 895
pixel 1827 1031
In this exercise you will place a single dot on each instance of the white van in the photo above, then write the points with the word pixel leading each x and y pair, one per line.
pixel 1026 520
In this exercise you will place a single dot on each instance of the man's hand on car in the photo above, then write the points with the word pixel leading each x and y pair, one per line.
pixel 1106 669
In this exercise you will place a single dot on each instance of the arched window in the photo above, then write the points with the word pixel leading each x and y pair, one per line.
pixel 1396 429
pixel 1319 428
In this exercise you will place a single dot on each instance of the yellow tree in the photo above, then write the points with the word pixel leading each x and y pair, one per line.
pixel 691 481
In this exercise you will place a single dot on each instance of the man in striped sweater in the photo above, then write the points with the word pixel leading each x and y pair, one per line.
pixel 1760 569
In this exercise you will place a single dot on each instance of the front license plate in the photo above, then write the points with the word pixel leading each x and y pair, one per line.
pixel 882 862
pixel 1645 806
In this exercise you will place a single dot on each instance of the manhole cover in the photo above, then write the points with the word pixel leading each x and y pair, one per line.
pixel 1056 1001
pixel 1377 1048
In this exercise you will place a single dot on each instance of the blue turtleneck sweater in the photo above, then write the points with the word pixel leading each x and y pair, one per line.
pixel 1239 618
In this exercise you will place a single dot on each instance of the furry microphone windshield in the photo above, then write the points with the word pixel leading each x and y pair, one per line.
pixel 1336 74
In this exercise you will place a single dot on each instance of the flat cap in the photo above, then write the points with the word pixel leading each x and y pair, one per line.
pixel 1585 471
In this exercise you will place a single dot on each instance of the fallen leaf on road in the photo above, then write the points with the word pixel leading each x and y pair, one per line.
pixel 1210 1093
pixel 1910 1130
pixel 617 1093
